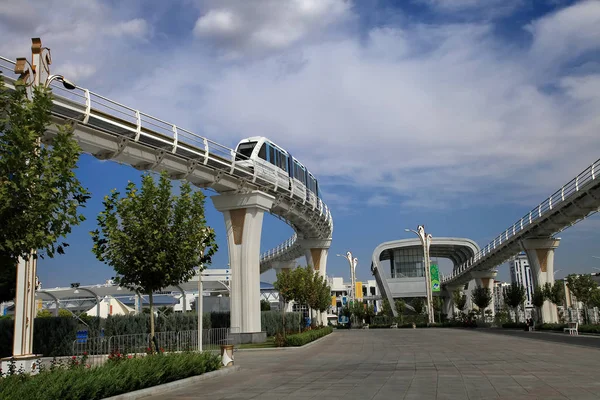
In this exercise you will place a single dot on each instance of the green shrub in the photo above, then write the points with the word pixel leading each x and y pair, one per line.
pixel 300 339
pixel 560 328
pixel 514 325
pixel 51 336
pixel 271 322
pixel 109 379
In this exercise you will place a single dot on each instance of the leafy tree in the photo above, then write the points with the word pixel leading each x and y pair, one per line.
pixel 45 314
pixel 286 288
pixel 153 239
pixel 418 304
pixel 514 297
pixel 369 314
pixel 482 297
pixel 39 193
pixel 582 287
pixel 555 292
pixel 265 305
pixel 438 305
pixel 595 298
pixel 357 309
pixel 400 306
pixel 538 300
pixel 459 299
pixel 386 309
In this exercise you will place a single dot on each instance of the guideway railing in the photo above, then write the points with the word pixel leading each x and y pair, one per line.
pixel 98 349
pixel 547 207
pixel 101 113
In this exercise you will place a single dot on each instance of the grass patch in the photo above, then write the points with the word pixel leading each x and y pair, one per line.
pixel 110 379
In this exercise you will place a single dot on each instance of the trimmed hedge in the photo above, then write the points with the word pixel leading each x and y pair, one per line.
pixel 272 322
pixel 514 325
pixel 109 379
pixel 300 339
pixel 560 328
pixel 51 336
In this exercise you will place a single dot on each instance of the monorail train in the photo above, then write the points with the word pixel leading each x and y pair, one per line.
pixel 277 165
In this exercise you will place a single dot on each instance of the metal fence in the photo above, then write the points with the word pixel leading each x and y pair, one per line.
pixel 99 349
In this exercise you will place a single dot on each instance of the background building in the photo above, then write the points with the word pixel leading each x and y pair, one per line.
pixel 498 295
pixel 520 272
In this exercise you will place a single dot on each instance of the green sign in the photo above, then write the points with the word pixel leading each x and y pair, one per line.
pixel 435 277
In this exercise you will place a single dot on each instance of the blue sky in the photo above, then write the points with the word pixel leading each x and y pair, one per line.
pixel 458 114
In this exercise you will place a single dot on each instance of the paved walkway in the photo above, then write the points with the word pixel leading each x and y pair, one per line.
pixel 410 364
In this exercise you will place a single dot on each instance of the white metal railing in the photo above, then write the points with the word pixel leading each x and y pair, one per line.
pixel 137 126
pixel 99 349
pixel 556 200
pixel 279 250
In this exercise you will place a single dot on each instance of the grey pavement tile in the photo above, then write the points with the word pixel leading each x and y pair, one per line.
pixel 410 364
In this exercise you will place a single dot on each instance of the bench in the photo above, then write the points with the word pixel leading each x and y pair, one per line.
pixel 572 328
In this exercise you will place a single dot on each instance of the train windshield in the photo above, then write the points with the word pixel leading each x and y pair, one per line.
pixel 245 149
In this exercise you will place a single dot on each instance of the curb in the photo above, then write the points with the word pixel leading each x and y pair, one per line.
pixel 159 389
pixel 287 348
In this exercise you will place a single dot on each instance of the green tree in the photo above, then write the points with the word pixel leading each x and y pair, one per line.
pixel 482 298
pixel 459 299
pixel 538 299
pixel 514 297
pixel 286 287
pixel 265 305
pixel 438 305
pixel 595 298
pixel 386 309
pixel 555 292
pixel 39 193
pixel 582 287
pixel 418 304
pixel 369 314
pixel 153 239
pixel 400 306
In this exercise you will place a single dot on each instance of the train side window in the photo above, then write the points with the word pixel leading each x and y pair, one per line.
pixel 262 153
pixel 271 155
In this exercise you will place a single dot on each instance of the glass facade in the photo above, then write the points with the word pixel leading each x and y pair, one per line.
pixel 407 263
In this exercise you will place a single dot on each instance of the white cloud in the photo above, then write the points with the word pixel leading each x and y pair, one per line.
pixel 137 28
pixel 561 37
pixel 240 28
pixel 77 72
pixel 427 116
pixel 472 8
pixel 378 200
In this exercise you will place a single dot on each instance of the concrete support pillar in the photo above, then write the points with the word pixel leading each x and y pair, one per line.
pixel 540 253
pixel 449 306
pixel 316 251
pixel 486 279
pixel 243 215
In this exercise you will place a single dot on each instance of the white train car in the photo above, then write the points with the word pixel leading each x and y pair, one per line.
pixel 276 165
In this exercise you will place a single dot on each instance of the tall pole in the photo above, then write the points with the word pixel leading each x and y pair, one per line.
pixel 352 262
pixel 199 306
pixel 32 74
pixel 426 243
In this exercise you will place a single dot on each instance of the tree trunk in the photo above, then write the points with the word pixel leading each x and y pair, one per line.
pixel 151 321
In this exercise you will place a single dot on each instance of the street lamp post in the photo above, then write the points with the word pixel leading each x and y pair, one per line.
pixel 353 262
pixel 426 242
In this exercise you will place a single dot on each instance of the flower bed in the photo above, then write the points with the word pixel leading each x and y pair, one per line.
pixel 300 339
pixel 76 380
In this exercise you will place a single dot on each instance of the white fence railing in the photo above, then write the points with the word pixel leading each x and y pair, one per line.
pixel 556 200
pixel 99 349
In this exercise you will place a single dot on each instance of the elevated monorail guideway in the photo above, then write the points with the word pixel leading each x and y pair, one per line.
pixel 112 131
pixel 573 202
